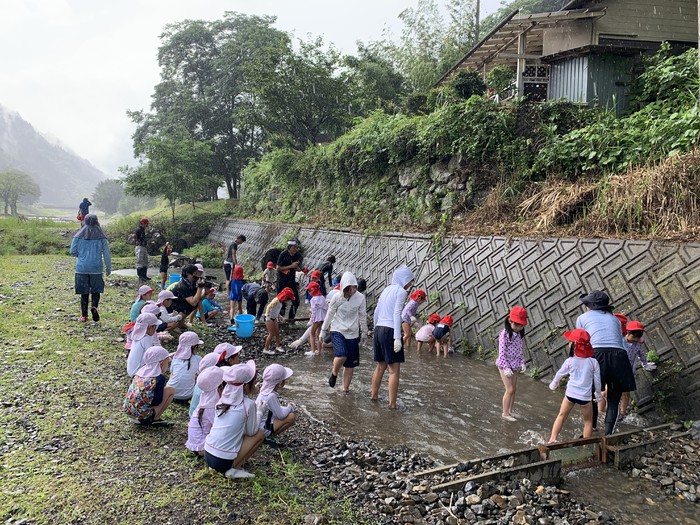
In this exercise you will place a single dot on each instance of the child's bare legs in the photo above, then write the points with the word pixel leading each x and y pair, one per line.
pixel 394 373
pixel 407 335
pixel 431 345
pixel 437 348
pixel 419 344
pixel 280 425
pixel 313 337
pixel 377 377
pixel 231 305
pixel 564 410
pixel 168 396
pixel 163 278
pixel 273 331
pixel 211 315
pixel 240 307
pixel 603 404
pixel 347 378
pixel 447 345
pixel 587 413
pixel 510 384
pixel 248 447
pixel 624 403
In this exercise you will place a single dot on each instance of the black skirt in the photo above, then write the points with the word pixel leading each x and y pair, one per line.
pixel 615 370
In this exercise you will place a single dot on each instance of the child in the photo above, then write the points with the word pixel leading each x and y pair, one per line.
pixel 511 357
pixel 148 395
pixel 425 333
pixel 315 278
pixel 229 354
pixel 272 313
pixel 185 366
pixel 174 320
pixel 635 350
pixel 319 307
pixel 209 382
pixel 269 278
pixel 209 360
pixel 210 308
pixel 256 298
pixel 583 370
pixel 235 294
pixel 145 295
pixel 165 264
pixel 234 436
pixel 443 336
pixel 141 340
pixel 347 323
pixel 273 418
pixel 408 316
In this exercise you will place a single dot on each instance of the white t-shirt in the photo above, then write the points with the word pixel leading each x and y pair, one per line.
pixel 584 375
pixel 226 434
pixel 266 403
pixel 183 379
pixel 138 348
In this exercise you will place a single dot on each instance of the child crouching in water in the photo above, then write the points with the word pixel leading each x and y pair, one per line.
pixel 635 350
pixel 511 357
pixel 442 335
pixel 273 418
pixel 583 371
pixel 201 421
pixel 425 333
pixel 408 316
pixel 272 313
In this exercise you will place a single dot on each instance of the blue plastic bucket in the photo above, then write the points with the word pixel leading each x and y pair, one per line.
pixel 174 277
pixel 244 325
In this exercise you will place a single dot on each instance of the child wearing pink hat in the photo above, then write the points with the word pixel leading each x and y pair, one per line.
pixel 148 395
pixel 209 360
pixel 201 421
pixel 273 418
pixel 583 371
pixel 144 296
pixel 185 366
pixel 511 357
pixel 234 436
pixel 142 338
pixel 408 316
pixel 319 308
pixel 424 335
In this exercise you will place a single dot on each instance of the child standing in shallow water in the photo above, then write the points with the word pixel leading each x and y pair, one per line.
pixel 442 335
pixel 583 370
pixel 408 316
pixel 511 358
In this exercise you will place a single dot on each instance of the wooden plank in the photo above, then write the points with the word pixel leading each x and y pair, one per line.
pixel 529 454
pixel 542 471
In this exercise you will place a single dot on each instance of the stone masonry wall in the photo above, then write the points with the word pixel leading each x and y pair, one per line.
pixel 478 279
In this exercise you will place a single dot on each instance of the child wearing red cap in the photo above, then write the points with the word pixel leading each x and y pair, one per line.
pixel 272 313
pixel 511 357
pixel 634 334
pixel 269 278
pixel 408 316
pixel 583 371
pixel 443 336
pixel 425 333
pixel 236 291
pixel 319 307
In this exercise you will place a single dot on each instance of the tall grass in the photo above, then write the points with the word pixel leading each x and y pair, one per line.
pixel 35 237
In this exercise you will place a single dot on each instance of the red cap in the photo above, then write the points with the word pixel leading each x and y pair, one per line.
pixel 418 294
pixel 144 220
pixel 305 270
pixel 270 264
pixel 238 272
pixel 316 274
pixel 447 320
pixel 211 291
pixel 518 315
pixel 287 294
pixel 434 318
pixel 314 288
pixel 582 339
pixel 635 325
pixel 623 321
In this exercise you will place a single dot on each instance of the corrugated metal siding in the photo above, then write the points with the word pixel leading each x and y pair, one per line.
pixel 609 77
pixel 569 80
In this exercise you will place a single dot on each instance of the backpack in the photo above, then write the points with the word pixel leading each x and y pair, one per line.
pixel 132 239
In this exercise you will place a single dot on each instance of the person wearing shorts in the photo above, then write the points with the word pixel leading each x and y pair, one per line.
pixel 91 247
pixel 388 337
pixel 232 257
pixel 347 322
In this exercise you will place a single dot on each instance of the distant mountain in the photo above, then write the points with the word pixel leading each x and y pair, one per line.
pixel 64 177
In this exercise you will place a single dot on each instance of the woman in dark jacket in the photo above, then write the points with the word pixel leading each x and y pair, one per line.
pixel 91 247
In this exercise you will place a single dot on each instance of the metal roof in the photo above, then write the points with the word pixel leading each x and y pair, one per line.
pixel 500 46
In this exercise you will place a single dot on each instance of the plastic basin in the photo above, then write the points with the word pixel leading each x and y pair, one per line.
pixel 245 323
pixel 174 277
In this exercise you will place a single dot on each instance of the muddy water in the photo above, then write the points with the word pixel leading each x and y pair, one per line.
pixel 448 408
pixel 631 501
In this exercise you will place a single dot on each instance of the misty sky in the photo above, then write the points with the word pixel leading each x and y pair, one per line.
pixel 72 68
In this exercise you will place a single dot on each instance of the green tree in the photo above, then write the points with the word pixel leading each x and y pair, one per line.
pixel 468 83
pixel 375 81
pixel 107 195
pixel 16 186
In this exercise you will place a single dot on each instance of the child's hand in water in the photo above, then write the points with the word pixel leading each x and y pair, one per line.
pixel 523 368
pixel 507 372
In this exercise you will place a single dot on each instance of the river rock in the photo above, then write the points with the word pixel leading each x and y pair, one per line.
pixel 473 499
pixel 315 519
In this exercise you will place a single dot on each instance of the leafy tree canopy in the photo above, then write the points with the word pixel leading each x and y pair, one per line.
pixel 108 194
pixel 16 186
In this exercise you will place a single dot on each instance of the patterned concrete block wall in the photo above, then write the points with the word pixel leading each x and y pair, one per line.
pixel 479 278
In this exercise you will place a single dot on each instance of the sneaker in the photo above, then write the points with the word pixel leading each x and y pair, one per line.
pixel 508 418
pixel 310 353
pixel 268 352
pixel 331 380
pixel 236 473
pixel 95 314
pixel 83 319
pixel 281 350
pixel 295 344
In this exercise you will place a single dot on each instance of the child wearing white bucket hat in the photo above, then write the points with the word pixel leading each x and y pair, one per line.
pixel 234 437
pixel 207 361
pixel 142 338
pixel 148 395
pixel 144 296
pixel 273 418
pixel 202 420
pixel 185 366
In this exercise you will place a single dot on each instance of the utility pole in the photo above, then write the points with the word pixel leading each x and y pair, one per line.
pixel 477 22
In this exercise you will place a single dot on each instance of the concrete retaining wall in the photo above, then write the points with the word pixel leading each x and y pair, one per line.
pixel 479 278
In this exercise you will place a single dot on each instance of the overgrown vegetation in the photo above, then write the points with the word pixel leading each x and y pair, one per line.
pixel 34 237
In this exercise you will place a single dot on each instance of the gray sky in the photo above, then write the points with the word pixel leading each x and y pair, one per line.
pixel 72 68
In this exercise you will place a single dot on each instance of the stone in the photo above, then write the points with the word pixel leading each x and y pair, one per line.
pixel 519 518
pixel 665 482
pixel 440 173
pixel 473 499
pixel 409 175
pixel 500 501
pixel 315 519
pixel 680 486
pixel 430 498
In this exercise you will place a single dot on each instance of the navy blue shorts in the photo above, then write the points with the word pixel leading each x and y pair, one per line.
pixel 384 346
pixel 89 283
pixel 218 464
pixel 349 348
pixel 440 332
pixel 577 401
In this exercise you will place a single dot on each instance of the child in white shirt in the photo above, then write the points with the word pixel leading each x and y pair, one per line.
pixel 273 418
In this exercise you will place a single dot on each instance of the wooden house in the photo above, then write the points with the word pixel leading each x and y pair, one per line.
pixel 587 51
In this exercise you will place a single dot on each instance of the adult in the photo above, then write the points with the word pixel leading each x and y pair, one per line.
pixel 83 210
pixel 388 340
pixel 326 269
pixel 141 249
pixel 610 350
pixel 288 263
pixel 91 247
pixel 189 292
pixel 256 299
pixel 232 257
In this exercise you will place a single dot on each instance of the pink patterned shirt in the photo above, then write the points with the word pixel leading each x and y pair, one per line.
pixel 510 351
